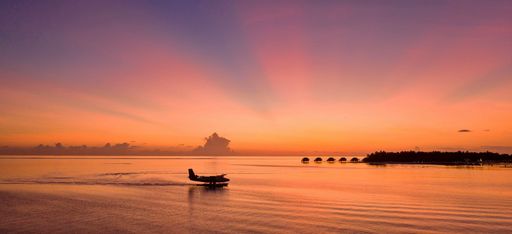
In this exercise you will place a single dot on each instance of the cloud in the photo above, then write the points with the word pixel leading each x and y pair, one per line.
pixel 492 80
pixel 451 148
pixel 464 130
pixel 498 148
pixel 214 145
pixel 60 149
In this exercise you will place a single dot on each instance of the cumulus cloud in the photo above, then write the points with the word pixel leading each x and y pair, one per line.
pixel 214 145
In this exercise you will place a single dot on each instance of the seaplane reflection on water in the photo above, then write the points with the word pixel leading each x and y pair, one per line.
pixel 211 181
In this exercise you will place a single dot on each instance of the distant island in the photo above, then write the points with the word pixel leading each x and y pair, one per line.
pixel 438 157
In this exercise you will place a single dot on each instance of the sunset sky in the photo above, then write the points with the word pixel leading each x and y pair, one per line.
pixel 290 76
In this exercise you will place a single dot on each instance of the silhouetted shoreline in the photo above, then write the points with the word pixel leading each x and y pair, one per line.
pixel 437 157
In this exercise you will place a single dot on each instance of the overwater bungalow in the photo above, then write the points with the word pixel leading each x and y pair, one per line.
pixel 354 159
pixel 305 160
pixel 318 159
pixel 342 159
pixel 331 160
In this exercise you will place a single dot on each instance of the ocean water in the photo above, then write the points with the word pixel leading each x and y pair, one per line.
pixel 146 194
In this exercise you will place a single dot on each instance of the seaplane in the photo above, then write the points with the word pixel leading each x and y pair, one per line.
pixel 213 181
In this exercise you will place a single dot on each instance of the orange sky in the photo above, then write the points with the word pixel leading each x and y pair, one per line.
pixel 270 76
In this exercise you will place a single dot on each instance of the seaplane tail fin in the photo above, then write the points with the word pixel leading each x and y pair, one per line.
pixel 191 174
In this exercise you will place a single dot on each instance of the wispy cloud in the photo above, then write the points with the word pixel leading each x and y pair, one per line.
pixel 499 148
pixel 488 82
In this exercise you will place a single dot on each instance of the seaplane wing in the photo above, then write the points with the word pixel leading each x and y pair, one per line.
pixel 207 179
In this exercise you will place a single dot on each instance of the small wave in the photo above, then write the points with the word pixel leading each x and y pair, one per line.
pixel 98 183
pixel 121 173
pixel 140 173
pixel 60 177
pixel 268 165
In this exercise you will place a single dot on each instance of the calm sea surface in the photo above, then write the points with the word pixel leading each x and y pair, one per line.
pixel 266 195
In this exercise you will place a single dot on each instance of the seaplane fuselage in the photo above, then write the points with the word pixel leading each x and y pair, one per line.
pixel 207 179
